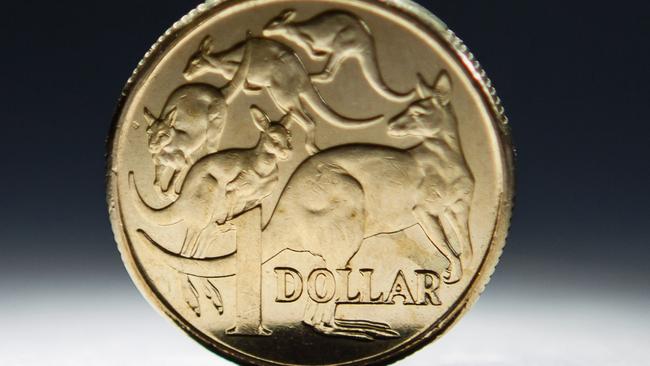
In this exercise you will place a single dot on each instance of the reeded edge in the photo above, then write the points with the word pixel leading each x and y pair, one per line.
pixel 434 27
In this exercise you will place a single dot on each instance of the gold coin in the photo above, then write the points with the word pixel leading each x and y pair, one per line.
pixel 310 182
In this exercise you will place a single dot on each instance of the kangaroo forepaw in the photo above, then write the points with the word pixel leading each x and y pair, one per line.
pixel 251 90
pixel 318 54
pixel 167 195
pixel 323 77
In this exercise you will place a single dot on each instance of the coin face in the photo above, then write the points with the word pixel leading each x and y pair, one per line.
pixel 310 182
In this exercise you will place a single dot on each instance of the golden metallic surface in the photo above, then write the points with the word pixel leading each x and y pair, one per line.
pixel 310 182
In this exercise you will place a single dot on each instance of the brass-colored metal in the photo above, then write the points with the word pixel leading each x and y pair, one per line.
pixel 310 182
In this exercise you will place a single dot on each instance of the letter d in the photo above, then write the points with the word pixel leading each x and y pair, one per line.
pixel 286 292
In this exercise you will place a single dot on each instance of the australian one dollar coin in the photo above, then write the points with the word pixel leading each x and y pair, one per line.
pixel 323 182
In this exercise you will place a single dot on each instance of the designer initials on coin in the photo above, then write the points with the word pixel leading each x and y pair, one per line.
pixel 321 182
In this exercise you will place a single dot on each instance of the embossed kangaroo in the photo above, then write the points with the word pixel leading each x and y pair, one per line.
pixel 222 185
pixel 259 64
pixel 342 196
pixel 448 185
pixel 347 194
pixel 190 126
pixel 338 36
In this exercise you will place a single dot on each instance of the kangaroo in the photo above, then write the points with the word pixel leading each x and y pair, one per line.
pixel 190 126
pixel 344 195
pixel 335 200
pixel 448 183
pixel 222 185
pixel 259 64
pixel 337 36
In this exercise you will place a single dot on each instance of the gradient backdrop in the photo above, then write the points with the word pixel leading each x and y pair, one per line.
pixel 571 289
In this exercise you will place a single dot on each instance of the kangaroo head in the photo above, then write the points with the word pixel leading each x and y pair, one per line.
pixel 280 25
pixel 428 115
pixel 160 130
pixel 275 139
pixel 199 60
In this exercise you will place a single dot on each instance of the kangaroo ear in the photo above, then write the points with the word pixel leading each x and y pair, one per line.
pixel 170 117
pixel 260 119
pixel 287 16
pixel 149 117
pixel 443 88
pixel 206 45
pixel 424 91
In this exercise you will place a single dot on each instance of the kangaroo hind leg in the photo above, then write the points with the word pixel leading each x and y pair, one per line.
pixel 362 330
pixel 434 231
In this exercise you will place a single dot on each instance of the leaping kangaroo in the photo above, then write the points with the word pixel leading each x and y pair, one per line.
pixel 224 184
pixel 342 196
pixel 338 36
pixel 261 64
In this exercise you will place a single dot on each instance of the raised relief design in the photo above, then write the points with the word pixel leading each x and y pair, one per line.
pixel 189 127
pixel 335 36
pixel 223 185
pixel 447 186
pixel 263 65
pixel 335 200
pixel 427 285
pixel 192 295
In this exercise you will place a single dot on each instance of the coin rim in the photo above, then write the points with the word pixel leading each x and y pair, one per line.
pixel 433 27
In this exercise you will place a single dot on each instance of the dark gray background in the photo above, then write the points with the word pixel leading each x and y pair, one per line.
pixel 574 79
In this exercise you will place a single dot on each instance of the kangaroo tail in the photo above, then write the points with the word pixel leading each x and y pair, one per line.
pixel 160 216
pixel 316 102
pixel 224 266
pixel 368 63
pixel 378 84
